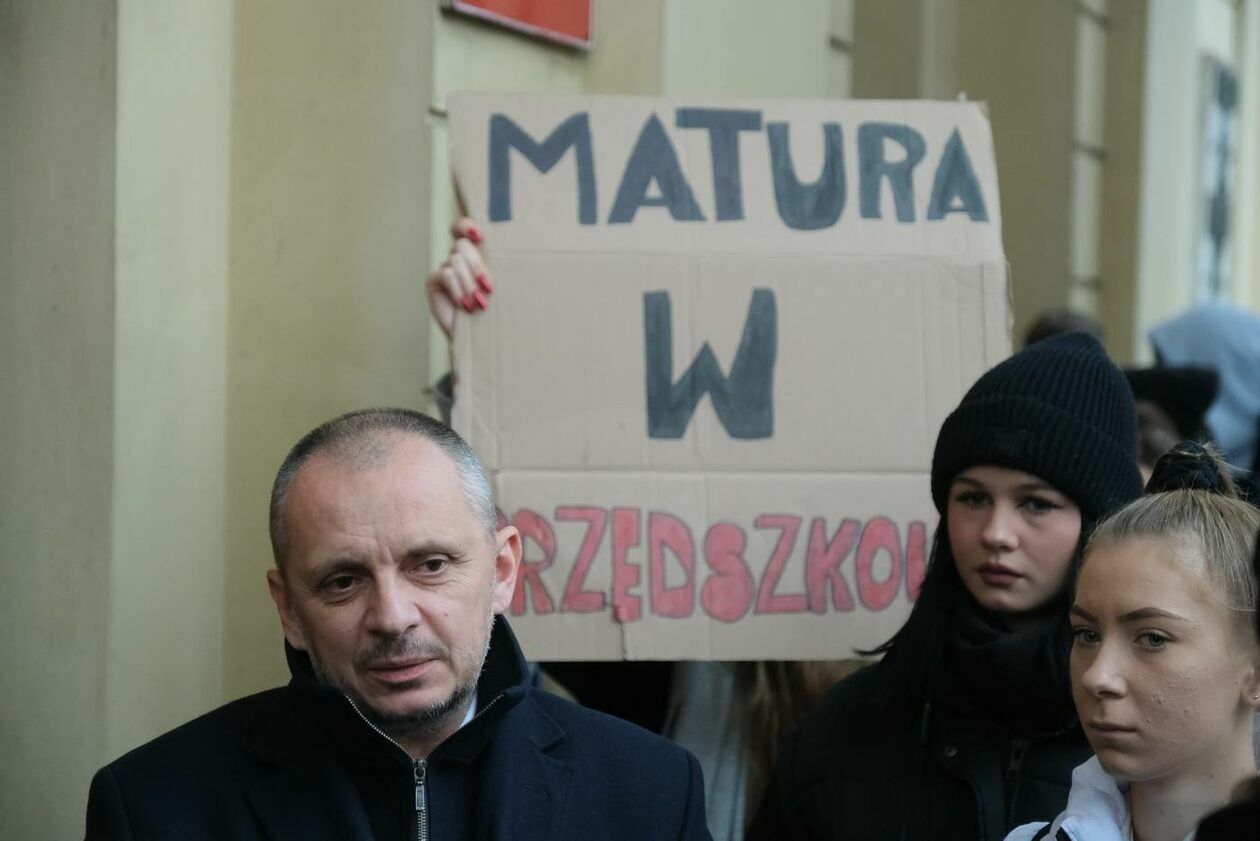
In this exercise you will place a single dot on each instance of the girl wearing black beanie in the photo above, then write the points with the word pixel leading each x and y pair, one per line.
pixel 965 729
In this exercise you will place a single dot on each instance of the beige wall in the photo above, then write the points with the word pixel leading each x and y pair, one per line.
pixel 56 405
pixel 752 48
pixel 878 71
pixel 115 268
pixel 170 272
pixel 1020 59
pixel 628 56
pixel 1122 175
pixel 328 217
pixel 1247 194
pixel 905 49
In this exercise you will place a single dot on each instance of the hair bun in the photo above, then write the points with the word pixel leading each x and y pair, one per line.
pixel 1191 466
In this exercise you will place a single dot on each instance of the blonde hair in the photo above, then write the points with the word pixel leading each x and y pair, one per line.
pixel 1213 527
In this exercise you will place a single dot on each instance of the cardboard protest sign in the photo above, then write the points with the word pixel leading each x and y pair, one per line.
pixel 723 338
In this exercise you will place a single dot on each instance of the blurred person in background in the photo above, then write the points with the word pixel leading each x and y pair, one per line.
pixel 1063 320
pixel 1226 339
pixel 1157 434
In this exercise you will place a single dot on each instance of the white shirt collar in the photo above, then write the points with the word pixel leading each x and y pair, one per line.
pixel 1097 807
pixel 472 711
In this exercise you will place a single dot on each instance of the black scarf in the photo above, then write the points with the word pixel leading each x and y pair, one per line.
pixel 1017 681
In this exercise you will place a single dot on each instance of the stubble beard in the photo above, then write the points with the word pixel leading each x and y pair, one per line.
pixel 425 721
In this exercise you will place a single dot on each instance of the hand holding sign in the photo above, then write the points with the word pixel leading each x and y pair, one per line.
pixel 462 281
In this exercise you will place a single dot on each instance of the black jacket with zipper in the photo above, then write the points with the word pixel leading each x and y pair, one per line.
pixel 863 769
pixel 299 762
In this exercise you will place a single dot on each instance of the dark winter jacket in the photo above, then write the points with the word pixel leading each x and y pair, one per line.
pixel 862 768
pixel 1232 823
pixel 299 763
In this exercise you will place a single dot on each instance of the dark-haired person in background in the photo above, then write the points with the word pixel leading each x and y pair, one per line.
pixel 409 713
pixel 966 728
pixel 1156 435
pixel 1063 320
pixel 1165 663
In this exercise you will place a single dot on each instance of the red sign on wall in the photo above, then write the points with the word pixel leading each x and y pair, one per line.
pixel 565 21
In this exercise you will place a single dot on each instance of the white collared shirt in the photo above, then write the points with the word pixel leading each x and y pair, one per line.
pixel 472 712
pixel 1097 810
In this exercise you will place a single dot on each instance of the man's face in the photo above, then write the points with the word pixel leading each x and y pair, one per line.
pixel 391 582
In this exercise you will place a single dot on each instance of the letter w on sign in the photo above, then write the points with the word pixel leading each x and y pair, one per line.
pixel 743 400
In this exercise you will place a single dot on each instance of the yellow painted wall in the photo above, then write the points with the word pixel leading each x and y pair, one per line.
pixel 751 48
pixel 114 264
pixel 1247 201
pixel 56 405
pixel 328 216
pixel 906 49
pixel 878 71
pixel 1020 58
pixel 170 268
pixel 1122 175
pixel 628 56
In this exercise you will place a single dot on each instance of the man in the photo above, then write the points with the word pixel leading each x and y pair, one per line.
pixel 409 714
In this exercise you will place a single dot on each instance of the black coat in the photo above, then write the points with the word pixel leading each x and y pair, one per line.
pixel 299 763
pixel 860 769
pixel 1240 821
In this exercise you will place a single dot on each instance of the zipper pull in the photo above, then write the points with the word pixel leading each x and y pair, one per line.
pixel 418 770
pixel 1014 767
pixel 1018 748
pixel 1014 770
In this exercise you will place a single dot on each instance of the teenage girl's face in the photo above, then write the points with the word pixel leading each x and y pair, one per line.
pixel 1163 676
pixel 1013 538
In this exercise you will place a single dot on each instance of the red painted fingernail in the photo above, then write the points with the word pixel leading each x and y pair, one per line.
pixel 480 299
pixel 467 302
pixel 485 284
pixel 474 234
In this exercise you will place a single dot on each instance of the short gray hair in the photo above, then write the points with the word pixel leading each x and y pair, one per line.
pixel 358 436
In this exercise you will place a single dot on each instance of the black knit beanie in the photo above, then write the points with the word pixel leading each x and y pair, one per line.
pixel 1059 410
